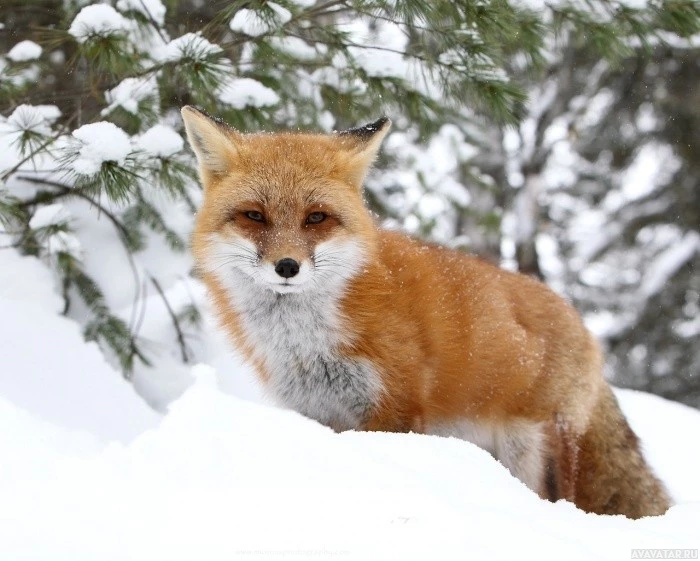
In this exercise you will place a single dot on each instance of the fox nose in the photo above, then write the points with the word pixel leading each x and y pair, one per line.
pixel 287 268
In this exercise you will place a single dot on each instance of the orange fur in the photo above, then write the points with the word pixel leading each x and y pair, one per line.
pixel 451 337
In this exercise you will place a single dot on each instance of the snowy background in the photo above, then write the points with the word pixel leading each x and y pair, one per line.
pixel 133 431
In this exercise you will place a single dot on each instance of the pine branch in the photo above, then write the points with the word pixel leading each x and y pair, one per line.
pixel 153 22
pixel 174 319
pixel 124 234
pixel 30 156
pixel 66 191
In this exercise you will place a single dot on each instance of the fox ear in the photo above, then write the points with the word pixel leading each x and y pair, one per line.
pixel 363 144
pixel 213 141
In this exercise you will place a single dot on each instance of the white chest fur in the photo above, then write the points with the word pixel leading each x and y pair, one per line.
pixel 297 337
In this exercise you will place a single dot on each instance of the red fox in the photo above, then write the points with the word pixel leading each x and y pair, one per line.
pixel 366 329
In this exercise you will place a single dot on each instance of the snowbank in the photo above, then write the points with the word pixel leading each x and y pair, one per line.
pixel 47 368
pixel 669 435
pixel 223 478
pixel 89 472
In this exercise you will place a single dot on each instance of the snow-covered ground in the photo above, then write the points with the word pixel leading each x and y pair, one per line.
pixel 89 472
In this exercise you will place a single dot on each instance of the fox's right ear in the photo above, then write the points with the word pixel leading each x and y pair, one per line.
pixel 213 141
pixel 362 144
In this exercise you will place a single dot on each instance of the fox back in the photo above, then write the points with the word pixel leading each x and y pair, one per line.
pixel 366 329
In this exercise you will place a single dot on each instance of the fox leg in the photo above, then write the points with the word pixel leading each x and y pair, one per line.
pixel 522 448
pixel 544 456
pixel 562 461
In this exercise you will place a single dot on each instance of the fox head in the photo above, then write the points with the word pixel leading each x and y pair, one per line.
pixel 283 212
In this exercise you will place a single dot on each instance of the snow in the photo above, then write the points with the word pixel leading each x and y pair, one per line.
pixel 129 92
pixel 282 15
pixel 254 24
pixel 428 176
pixel 297 47
pixel 335 77
pixel 668 262
pixel 669 249
pixel 97 19
pixel 635 4
pixel 191 45
pixel 34 117
pixel 161 141
pixel 224 478
pixel 49 113
pixel 379 64
pixel 688 329
pixel 24 51
pixel 63 242
pixel 600 8
pixel 536 5
pixel 49 371
pixel 670 458
pixel 431 206
pixel 56 241
pixel 654 165
pixel 378 49
pixel 248 22
pixel 90 472
pixel 242 92
pixel 152 9
pixel 101 142
pixel 48 215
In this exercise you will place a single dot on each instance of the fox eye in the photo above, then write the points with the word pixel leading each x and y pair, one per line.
pixel 255 216
pixel 315 218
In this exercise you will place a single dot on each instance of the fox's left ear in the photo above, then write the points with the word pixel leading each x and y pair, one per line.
pixel 363 144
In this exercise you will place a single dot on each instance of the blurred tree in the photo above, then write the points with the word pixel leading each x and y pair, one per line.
pixel 637 274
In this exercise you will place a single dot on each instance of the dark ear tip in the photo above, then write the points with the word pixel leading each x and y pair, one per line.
pixel 367 131
pixel 381 123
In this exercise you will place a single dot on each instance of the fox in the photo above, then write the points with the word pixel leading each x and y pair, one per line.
pixel 368 329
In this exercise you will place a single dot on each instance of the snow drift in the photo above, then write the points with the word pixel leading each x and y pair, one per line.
pixel 89 472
